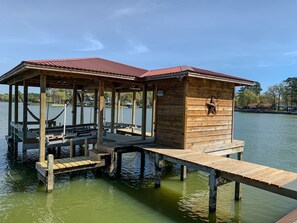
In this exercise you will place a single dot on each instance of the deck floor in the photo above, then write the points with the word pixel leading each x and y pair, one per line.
pixel 267 178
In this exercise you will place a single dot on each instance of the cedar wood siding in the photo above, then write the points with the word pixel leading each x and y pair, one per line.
pixel 203 130
pixel 170 113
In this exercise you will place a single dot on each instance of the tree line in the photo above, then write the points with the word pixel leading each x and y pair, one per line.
pixel 282 96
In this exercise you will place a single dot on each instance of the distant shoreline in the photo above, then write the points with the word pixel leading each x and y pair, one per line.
pixel 266 112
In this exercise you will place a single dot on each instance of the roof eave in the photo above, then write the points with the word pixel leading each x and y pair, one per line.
pixel 167 76
pixel 237 82
pixel 19 68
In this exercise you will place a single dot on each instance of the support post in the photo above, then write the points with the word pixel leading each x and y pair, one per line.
pixel 153 130
pixel 119 163
pixel 74 103
pixel 133 110
pixel 100 114
pixel 142 163
pixel 112 110
pixel 157 171
pixel 212 191
pixel 95 105
pixel 143 122
pixel 16 119
pixel 238 187
pixel 82 107
pixel 183 172
pixel 42 117
pixel 50 176
pixel 119 108
pixel 71 149
pixel 9 110
pixel 25 120
pixel 86 147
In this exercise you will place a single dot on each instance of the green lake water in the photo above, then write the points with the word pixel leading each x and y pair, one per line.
pixel 270 140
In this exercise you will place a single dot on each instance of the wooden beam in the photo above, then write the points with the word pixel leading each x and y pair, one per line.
pixel 133 110
pixel 9 110
pixel 82 108
pixel 16 120
pixel 212 191
pixel 95 105
pixel 42 117
pixel 186 84
pixel 119 107
pixel 112 110
pixel 50 176
pixel 74 103
pixel 100 114
pixel 25 119
pixel 238 188
pixel 25 76
pixel 154 109
pixel 143 122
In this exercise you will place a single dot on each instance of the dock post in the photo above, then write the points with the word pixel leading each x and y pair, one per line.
pixel 71 149
pixel 183 172
pixel 133 110
pixel 238 188
pixel 16 120
pixel 50 176
pixel 143 119
pixel 119 107
pixel 119 163
pixel 74 103
pixel 212 191
pixel 25 121
pixel 112 110
pixel 142 163
pixel 42 112
pixel 86 147
pixel 157 171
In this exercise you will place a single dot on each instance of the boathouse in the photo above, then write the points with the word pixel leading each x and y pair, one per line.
pixel 192 122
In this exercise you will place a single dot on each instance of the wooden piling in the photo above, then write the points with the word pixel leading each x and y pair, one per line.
pixel 86 152
pixel 154 107
pixel 238 187
pixel 42 117
pixel 71 149
pixel 212 191
pixel 50 176
pixel 157 171
pixel 183 172
pixel 119 163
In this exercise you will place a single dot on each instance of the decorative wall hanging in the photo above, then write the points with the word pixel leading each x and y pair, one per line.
pixel 212 105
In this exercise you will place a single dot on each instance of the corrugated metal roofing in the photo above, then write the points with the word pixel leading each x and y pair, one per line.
pixel 92 64
pixel 99 65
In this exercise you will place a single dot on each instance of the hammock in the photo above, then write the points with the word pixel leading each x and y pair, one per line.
pixel 50 120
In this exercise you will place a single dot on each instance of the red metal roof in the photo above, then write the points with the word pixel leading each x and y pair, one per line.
pixel 99 65
pixel 92 64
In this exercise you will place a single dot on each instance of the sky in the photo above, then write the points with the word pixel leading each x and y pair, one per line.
pixel 256 40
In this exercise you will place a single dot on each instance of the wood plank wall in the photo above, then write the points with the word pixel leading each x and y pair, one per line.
pixel 203 129
pixel 170 113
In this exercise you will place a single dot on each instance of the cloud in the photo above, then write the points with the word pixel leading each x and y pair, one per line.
pixel 91 44
pixel 291 53
pixel 290 63
pixel 38 41
pixel 137 48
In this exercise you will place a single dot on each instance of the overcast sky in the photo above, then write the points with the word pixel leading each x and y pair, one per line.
pixel 251 39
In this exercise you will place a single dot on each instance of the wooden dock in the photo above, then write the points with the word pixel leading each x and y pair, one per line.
pixel 270 179
pixel 131 131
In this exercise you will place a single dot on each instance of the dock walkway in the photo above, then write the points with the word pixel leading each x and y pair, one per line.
pixel 270 179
